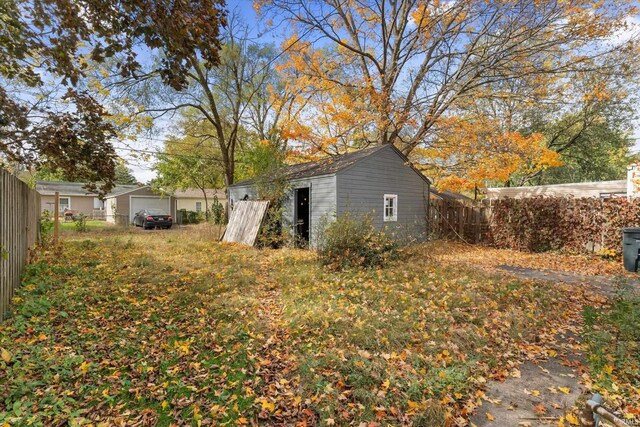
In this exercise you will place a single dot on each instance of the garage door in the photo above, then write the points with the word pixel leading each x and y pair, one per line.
pixel 139 202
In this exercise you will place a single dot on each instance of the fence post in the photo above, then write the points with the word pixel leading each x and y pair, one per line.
pixel 56 220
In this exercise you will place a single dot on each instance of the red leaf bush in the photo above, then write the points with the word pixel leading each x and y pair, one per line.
pixel 581 225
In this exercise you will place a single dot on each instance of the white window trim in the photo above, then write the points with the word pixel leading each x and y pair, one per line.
pixel 394 217
pixel 60 204
pixel 100 204
pixel 200 203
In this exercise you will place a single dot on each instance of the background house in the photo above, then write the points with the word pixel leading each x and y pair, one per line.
pixel 377 181
pixel 73 196
pixel 602 189
pixel 193 199
pixel 122 202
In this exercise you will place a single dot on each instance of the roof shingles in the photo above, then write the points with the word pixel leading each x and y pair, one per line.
pixel 49 188
pixel 325 166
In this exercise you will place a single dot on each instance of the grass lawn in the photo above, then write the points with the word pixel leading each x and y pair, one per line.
pixel 92 225
pixel 161 328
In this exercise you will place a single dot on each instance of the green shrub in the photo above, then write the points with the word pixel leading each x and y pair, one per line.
pixel 354 242
pixel 272 234
pixel 46 228
pixel 189 217
pixel 217 211
pixel 81 223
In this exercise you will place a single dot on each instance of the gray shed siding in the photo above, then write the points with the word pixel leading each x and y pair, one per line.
pixel 361 189
pixel 323 201
pixel 238 193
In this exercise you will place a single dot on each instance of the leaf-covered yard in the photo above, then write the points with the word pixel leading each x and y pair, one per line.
pixel 161 328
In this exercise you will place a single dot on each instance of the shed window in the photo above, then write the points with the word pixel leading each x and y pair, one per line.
pixel 390 207
pixel 198 206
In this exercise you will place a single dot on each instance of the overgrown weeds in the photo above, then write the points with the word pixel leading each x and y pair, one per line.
pixel 134 328
pixel 351 241
pixel 613 338
pixel 80 222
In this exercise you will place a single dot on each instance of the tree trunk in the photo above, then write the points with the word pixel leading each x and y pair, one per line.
pixel 206 205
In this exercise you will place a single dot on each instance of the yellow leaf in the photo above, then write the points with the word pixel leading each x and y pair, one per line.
pixel 490 417
pixel 565 390
pixel 84 367
pixel 6 356
pixel 266 405
pixel 535 392
pixel 164 405
pixel 572 419
pixel 242 420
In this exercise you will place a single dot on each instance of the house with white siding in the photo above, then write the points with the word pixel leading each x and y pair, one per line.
pixel 194 199
pixel 600 189
pixel 379 182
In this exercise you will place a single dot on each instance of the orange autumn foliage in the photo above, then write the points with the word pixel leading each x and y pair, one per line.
pixel 469 152
pixel 401 72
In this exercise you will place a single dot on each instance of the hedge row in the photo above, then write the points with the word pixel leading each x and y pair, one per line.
pixel 552 223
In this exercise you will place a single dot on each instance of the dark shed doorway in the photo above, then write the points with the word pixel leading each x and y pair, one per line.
pixel 302 216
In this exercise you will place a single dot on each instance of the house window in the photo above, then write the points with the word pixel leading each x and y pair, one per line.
pixel 64 203
pixel 390 207
pixel 98 204
pixel 198 206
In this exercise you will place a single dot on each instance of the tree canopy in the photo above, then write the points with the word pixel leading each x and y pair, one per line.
pixel 47 112
pixel 408 72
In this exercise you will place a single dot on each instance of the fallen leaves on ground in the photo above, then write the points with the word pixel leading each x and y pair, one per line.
pixel 162 328
pixel 487 257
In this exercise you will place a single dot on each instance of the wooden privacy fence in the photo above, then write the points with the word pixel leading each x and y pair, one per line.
pixel 459 220
pixel 19 232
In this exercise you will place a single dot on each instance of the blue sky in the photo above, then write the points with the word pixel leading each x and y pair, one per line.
pixel 143 168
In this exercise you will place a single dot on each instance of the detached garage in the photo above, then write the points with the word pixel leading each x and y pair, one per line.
pixel 121 207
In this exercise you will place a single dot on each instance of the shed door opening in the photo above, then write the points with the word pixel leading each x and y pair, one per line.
pixel 302 216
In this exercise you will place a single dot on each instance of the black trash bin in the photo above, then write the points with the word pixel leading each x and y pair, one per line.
pixel 631 248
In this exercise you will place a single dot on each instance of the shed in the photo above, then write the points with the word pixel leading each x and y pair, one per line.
pixel 379 181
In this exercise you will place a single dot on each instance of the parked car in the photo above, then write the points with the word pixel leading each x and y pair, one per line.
pixel 152 218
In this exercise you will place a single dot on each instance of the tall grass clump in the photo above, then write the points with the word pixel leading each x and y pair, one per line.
pixel 353 242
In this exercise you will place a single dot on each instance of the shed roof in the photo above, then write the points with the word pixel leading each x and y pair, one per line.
pixel 49 188
pixel 329 165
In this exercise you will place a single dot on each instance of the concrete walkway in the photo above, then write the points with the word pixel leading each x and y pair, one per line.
pixel 605 284
pixel 542 394
pixel 545 390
